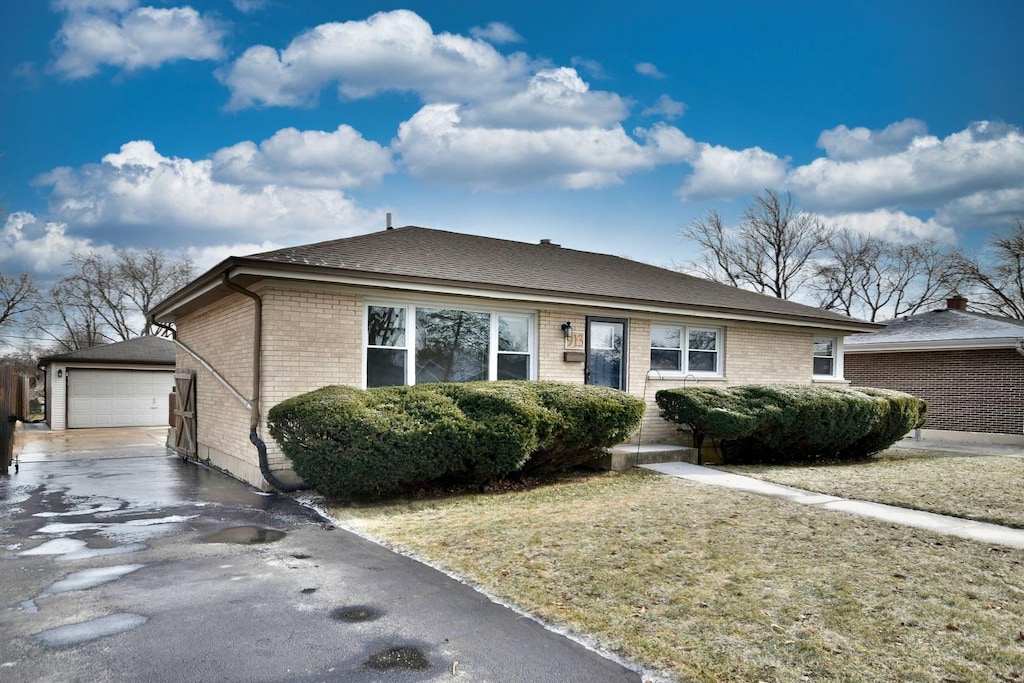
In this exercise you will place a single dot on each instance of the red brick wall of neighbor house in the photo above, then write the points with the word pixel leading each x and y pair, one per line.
pixel 968 391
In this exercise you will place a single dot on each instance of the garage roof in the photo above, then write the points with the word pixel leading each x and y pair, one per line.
pixel 140 351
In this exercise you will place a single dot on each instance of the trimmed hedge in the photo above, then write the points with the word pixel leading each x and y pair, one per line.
pixel 349 443
pixel 780 423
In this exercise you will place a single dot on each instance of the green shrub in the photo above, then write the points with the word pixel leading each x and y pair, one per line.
pixel 777 423
pixel 898 410
pixel 582 420
pixel 347 442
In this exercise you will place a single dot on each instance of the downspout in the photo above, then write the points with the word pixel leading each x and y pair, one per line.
pixel 254 410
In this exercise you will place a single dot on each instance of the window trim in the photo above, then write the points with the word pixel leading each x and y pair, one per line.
pixel 684 349
pixel 411 306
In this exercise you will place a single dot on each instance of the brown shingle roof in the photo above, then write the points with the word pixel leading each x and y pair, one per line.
pixel 533 270
pixel 140 351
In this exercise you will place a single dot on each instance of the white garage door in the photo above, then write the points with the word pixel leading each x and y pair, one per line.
pixel 118 398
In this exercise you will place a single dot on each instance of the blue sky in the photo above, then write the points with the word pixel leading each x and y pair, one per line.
pixel 224 127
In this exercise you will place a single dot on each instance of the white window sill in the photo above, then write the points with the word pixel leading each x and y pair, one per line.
pixel 689 376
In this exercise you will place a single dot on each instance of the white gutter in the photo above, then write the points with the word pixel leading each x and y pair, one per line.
pixel 209 368
pixel 936 345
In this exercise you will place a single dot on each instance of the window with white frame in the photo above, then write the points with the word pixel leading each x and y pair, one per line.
pixel 825 357
pixel 686 350
pixel 449 345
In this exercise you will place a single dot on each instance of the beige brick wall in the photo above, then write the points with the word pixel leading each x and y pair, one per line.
pixel 754 354
pixel 222 336
pixel 551 364
pixel 312 338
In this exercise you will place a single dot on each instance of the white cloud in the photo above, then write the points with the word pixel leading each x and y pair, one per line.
pixel 497 33
pixel 723 173
pixel 436 145
pixel 312 158
pixel 984 209
pixel 139 187
pixel 593 67
pixel 249 6
pixel 390 51
pixel 648 69
pixel 551 98
pixel 117 33
pixel 204 258
pixel 847 144
pixel 894 226
pixel 34 245
pixel 667 107
pixel 928 172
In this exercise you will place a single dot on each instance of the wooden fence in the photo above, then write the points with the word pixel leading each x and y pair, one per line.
pixel 13 407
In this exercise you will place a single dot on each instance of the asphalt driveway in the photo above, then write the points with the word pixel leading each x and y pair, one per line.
pixel 120 562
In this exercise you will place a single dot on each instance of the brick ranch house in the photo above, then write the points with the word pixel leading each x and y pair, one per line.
pixel 412 304
pixel 968 366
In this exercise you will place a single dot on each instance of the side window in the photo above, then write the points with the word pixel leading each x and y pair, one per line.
pixel 666 348
pixel 386 352
pixel 702 351
pixel 513 347
pixel 825 357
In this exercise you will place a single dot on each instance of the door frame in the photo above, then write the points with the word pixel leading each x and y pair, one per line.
pixel 624 364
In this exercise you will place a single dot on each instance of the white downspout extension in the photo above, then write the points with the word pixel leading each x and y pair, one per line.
pixel 1020 350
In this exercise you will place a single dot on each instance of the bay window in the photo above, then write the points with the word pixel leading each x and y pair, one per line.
pixel 416 344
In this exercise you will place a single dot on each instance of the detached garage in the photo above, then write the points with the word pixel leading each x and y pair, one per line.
pixel 125 384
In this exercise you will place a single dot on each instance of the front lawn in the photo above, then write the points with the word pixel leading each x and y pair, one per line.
pixel 707 584
pixel 986 488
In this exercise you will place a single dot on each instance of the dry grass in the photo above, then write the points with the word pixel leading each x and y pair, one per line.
pixel 707 584
pixel 981 487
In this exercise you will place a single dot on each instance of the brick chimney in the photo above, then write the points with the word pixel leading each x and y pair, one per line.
pixel 956 303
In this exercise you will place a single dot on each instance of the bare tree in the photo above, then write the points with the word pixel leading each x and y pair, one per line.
pixel 997 277
pixel 104 298
pixel 771 251
pixel 872 278
pixel 17 296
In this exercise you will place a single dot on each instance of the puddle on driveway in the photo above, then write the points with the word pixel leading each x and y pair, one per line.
pixel 245 535
pixel 402 657
pixel 76 549
pixel 76 634
pixel 356 613
pixel 80 581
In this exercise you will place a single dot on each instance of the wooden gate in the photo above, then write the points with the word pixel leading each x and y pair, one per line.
pixel 185 413
pixel 13 407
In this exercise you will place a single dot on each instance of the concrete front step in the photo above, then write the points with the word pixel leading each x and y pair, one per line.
pixel 625 455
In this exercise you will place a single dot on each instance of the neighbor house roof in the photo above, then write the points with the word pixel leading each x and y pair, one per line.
pixel 141 351
pixel 943 329
pixel 423 259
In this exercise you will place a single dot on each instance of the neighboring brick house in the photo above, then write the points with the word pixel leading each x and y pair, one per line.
pixel 968 366
pixel 413 304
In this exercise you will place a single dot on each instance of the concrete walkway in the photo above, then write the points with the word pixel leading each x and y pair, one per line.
pixel 942 524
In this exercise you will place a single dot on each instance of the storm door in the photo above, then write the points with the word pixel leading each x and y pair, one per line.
pixel 606 352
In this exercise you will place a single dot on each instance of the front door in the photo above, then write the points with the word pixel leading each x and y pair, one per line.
pixel 606 352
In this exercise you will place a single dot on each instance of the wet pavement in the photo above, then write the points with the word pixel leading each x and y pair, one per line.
pixel 120 562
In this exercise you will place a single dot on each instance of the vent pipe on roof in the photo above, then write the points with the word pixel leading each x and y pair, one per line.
pixel 956 303
pixel 387 221
pixel 549 243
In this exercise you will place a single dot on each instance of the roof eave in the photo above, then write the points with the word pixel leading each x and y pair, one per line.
pixel 209 287
pixel 933 345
